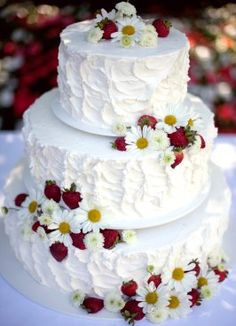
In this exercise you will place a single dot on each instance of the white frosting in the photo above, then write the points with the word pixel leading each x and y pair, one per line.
pixel 104 271
pixel 104 83
pixel 128 185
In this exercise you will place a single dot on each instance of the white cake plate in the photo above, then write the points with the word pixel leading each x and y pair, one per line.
pixel 62 115
pixel 14 273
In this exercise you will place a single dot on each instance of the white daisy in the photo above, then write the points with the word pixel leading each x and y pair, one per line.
pixel 119 129
pixel 3 211
pixel 139 139
pixel 91 216
pixel 221 267
pixel 160 140
pixel 152 269
pixel 179 275
pixel 149 28
pixel 114 302
pixel 167 157
pixel 49 206
pixel 94 241
pixel 148 38
pixel 131 27
pixel 157 315
pixel 126 42
pixel 207 278
pixel 126 8
pixel 207 292
pixel 95 35
pixel 179 304
pixel 45 219
pixel 129 236
pixel 77 298
pixel 172 117
pixel 151 297
pixel 41 233
pixel 105 15
pixel 31 205
pixel 64 222
pixel 216 257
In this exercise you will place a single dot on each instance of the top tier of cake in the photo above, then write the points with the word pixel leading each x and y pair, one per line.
pixel 103 84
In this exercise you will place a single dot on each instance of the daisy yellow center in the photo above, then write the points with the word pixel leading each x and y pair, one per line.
pixel 170 120
pixel 178 274
pixel 202 281
pixel 190 122
pixel 64 228
pixel 94 215
pixel 128 30
pixel 142 143
pixel 173 302
pixel 151 297
pixel 33 206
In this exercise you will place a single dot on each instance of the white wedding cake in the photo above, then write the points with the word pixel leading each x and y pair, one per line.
pixel 117 202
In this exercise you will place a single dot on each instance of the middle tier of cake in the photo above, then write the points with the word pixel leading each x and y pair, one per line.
pixel 136 190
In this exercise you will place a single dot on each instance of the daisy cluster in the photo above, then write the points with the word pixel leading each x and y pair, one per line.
pixel 124 26
pixel 170 294
pixel 63 219
pixel 168 134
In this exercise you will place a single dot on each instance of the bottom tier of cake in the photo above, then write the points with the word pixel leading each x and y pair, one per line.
pixel 195 236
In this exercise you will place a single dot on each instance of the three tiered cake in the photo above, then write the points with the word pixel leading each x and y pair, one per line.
pixel 117 202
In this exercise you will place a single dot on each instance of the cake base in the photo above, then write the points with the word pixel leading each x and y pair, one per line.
pixel 207 314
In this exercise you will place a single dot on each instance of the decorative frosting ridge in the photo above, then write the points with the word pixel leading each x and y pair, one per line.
pixel 124 26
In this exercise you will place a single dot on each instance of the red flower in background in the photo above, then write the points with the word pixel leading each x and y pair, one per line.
pixel 226 117
pixel 31 34
pixel 39 70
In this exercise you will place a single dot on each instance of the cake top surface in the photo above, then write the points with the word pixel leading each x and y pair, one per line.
pixel 74 37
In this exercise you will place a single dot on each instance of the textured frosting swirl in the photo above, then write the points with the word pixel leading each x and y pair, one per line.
pixel 98 273
pixel 133 186
pixel 102 84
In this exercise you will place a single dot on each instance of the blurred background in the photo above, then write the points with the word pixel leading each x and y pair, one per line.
pixel 29 39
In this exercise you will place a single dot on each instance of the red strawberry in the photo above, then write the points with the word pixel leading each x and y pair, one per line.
pixel 156 279
pixel 71 197
pixel 78 240
pixel 52 191
pixel 92 305
pixel 46 229
pixel 195 297
pixel 109 28
pixel 132 311
pixel 221 274
pixel 147 120
pixel 203 143
pixel 35 226
pixel 111 237
pixel 162 27
pixel 178 138
pixel 129 288
pixel 197 268
pixel 120 144
pixel 59 251
pixel 179 156
pixel 20 199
